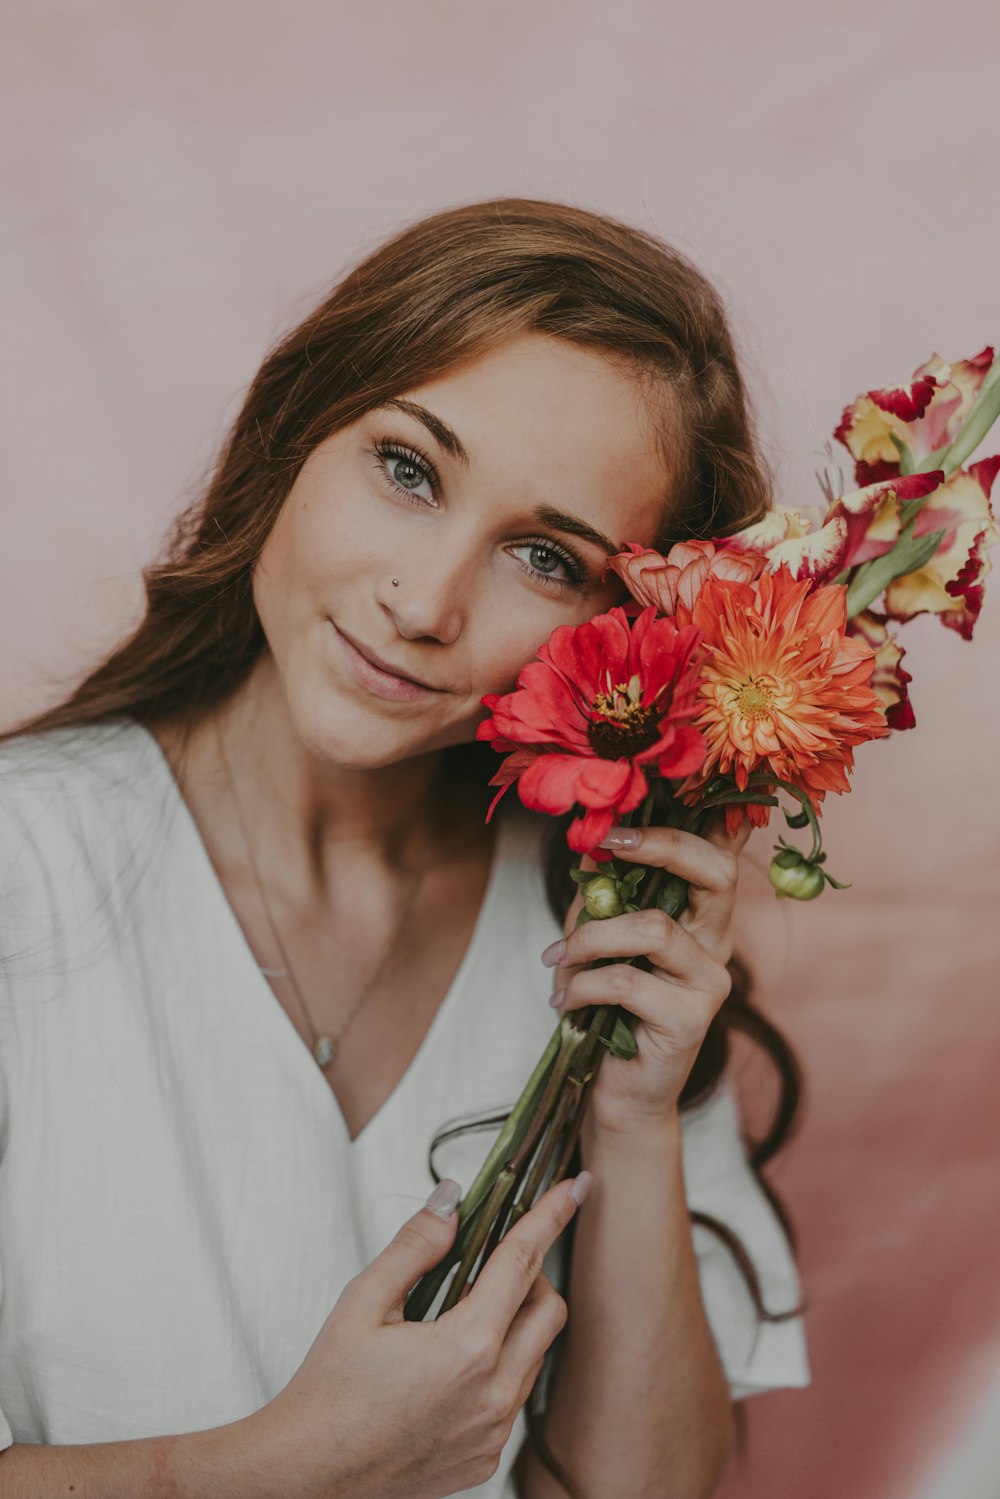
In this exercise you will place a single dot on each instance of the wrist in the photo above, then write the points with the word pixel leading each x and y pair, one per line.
pixel 629 1135
pixel 242 1459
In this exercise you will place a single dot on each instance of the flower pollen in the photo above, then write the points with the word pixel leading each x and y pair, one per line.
pixel 754 698
pixel 622 725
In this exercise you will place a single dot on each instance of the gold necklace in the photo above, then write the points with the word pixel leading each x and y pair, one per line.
pixel 324 1047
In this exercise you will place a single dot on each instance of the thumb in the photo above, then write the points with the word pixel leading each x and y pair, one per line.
pixel 416 1247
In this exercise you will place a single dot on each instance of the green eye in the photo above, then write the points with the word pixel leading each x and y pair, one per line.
pixel 415 475
pixel 543 559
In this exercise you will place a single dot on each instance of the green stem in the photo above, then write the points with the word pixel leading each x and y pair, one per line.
pixel 979 419
pixel 547 1149
pixel 518 1122
pixel 570 1043
pixel 502 1187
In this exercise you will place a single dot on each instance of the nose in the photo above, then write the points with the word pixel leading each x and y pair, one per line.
pixel 427 603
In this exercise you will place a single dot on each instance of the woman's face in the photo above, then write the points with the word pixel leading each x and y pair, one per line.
pixel 497 514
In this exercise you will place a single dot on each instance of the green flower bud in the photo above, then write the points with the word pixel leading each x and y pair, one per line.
pixel 792 875
pixel 601 897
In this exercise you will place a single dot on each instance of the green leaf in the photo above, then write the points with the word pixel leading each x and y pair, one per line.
pixel 905 456
pixel 621 1042
pixel 581 876
pixel 732 798
pixel 672 895
pixel 907 556
pixel 796 819
pixel 583 917
pixel 980 417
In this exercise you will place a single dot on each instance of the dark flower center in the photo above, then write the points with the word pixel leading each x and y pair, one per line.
pixel 622 726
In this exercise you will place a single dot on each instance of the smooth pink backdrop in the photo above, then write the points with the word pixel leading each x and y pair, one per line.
pixel 181 181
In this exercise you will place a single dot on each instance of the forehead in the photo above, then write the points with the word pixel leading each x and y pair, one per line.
pixel 547 422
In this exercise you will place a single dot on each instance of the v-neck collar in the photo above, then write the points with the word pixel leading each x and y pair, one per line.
pixel 262 993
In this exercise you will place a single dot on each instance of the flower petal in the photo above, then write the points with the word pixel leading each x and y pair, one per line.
pixel 950 584
pixel 819 556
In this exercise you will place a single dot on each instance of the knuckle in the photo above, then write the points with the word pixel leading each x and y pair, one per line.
pixel 619 979
pixel 484 1468
pixel 526 1257
pixel 414 1237
pixel 559 1313
pixel 506 1399
pixel 482 1348
pixel 657 926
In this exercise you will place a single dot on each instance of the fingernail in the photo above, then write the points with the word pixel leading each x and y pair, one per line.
pixel 620 838
pixel 553 953
pixel 556 999
pixel 444 1198
pixel 581 1186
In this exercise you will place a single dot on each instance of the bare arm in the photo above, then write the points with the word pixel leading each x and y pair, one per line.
pixel 224 1462
pixel 380 1408
pixel 638 1403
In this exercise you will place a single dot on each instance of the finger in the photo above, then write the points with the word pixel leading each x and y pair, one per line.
pixel 653 934
pixel 506 1278
pixel 704 863
pixel 711 867
pixel 539 1320
pixel 417 1247
pixel 717 833
pixel 679 1013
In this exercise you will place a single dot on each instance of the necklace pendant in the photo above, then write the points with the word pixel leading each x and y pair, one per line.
pixel 324 1050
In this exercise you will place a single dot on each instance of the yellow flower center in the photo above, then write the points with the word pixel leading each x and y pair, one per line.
pixel 622 725
pixel 754 698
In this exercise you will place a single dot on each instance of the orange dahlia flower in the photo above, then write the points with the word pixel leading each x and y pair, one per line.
pixel 783 688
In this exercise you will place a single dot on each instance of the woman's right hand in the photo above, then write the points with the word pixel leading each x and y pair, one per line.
pixel 382 1407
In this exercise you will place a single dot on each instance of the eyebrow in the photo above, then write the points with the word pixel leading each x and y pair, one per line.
pixel 572 525
pixel 448 439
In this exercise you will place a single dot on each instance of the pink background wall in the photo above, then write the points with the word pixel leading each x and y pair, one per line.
pixel 180 181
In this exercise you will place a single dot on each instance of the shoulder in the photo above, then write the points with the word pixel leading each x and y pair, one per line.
pixel 72 804
pixel 60 788
pixel 60 768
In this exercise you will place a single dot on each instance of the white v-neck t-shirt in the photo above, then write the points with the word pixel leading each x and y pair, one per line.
pixel 181 1203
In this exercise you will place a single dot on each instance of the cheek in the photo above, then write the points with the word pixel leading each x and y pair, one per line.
pixel 319 542
pixel 501 655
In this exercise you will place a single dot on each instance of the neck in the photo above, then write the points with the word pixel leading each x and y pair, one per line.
pixel 308 816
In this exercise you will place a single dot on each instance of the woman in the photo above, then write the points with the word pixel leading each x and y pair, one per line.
pixel 274 781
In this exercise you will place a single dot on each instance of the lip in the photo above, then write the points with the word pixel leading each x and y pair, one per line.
pixel 376 674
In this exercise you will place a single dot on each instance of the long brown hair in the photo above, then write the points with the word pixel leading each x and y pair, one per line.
pixel 448 288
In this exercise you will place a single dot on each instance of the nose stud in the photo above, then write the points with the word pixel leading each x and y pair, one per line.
pixel 395 582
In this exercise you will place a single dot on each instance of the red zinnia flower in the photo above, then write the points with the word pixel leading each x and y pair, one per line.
pixel 604 704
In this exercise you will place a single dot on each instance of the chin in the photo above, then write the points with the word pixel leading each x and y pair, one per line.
pixel 353 738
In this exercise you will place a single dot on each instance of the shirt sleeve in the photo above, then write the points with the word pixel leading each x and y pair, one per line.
pixel 756 1354
pixel 6 1434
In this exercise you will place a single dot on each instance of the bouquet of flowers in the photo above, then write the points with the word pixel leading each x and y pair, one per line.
pixel 742 669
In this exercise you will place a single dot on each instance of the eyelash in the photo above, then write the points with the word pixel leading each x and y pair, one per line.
pixel 384 450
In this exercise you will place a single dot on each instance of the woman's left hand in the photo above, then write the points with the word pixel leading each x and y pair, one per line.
pixel 689 981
